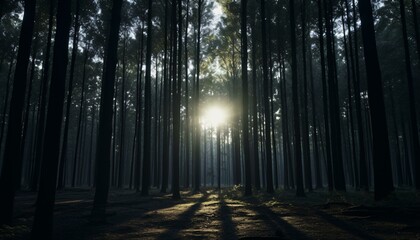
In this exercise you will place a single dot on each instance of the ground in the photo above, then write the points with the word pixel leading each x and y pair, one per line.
pixel 227 215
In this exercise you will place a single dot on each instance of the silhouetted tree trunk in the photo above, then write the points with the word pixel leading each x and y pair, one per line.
pixel 103 146
pixel 355 75
pixel 285 129
pixel 165 144
pixel 325 99
pixel 351 144
pixel 381 153
pixel 363 171
pixel 79 124
pixel 43 103
pixel 337 156
pixel 245 130
pixel 196 146
pixel 148 105
pixel 269 169
pixel 315 130
pixel 256 161
pixel 305 127
pixel 177 96
pixel 398 162
pixel 218 156
pixel 91 161
pixel 12 155
pixel 63 158
pixel 43 220
pixel 187 108
pixel 296 121
pixel 416 26
pixel 6 98
pixel 139 109
pixel 411 99
pixel 123 109
pixel 27 109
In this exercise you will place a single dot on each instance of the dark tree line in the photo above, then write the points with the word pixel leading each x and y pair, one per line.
pixel 114 95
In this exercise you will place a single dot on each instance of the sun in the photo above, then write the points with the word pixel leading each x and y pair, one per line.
pixel 214 116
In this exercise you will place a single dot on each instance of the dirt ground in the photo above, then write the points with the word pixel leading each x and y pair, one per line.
pixel 227 215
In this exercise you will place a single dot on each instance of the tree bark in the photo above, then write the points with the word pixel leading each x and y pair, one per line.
pixel 381 153
pixel 269 169
pixel 245 130
pixel 148 105
pixel 411 98
pixel 12 151
pixel 296 121
pixel 103 146
pixel 43 220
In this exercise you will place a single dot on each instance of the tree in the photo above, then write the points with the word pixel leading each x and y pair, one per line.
pixel 269 170
pixel 381 153
pixel 177 95
pixel 43 220
pixel 63 157
pixel 147 103
pixel 196 146
pixel 12 154
pixel 245 130
pixel 411 99
pixel 103 146
pixel 296 121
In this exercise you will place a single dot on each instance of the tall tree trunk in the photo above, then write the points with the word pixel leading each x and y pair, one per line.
pixel 269 172
pixel 12 155
pixel 123 109
pixel 187 108
pixel 245 128
pixel 103 146
pixel 363 171
pixel 177 97
pixel 139 109
pixel 43 103
pixel 398 159
pixel 355 75
pixel 79 124
pixel 256 161
pixel 63 158
pixel 315 130
pixel 349 97
pixel 196 150
pixel 165 144
pixel 416 26
pixel 411 98
pixel 91 162
pixel 305 127
pixel 337 156
pixel 381 153
pixel 6 98
pixel 325 99
pixel 148 105
pixel 43 220
pixel 19 165
pixel 296 121
pixel 285 129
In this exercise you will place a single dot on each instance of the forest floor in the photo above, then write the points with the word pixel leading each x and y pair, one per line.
pixel 227 215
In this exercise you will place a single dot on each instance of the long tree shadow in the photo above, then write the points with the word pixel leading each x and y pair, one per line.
pixel 351 229
pixel 228 226
pixel 283 229
pixel 183 221
pixel 73 222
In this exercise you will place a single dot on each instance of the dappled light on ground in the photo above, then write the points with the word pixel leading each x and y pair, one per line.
pixel 227 215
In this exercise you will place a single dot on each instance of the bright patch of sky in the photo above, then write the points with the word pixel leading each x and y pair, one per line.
pixel 217 14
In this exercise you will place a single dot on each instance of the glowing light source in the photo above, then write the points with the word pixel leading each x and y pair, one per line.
pixel 214 116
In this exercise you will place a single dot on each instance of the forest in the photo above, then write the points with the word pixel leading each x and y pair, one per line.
pixel 209 119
